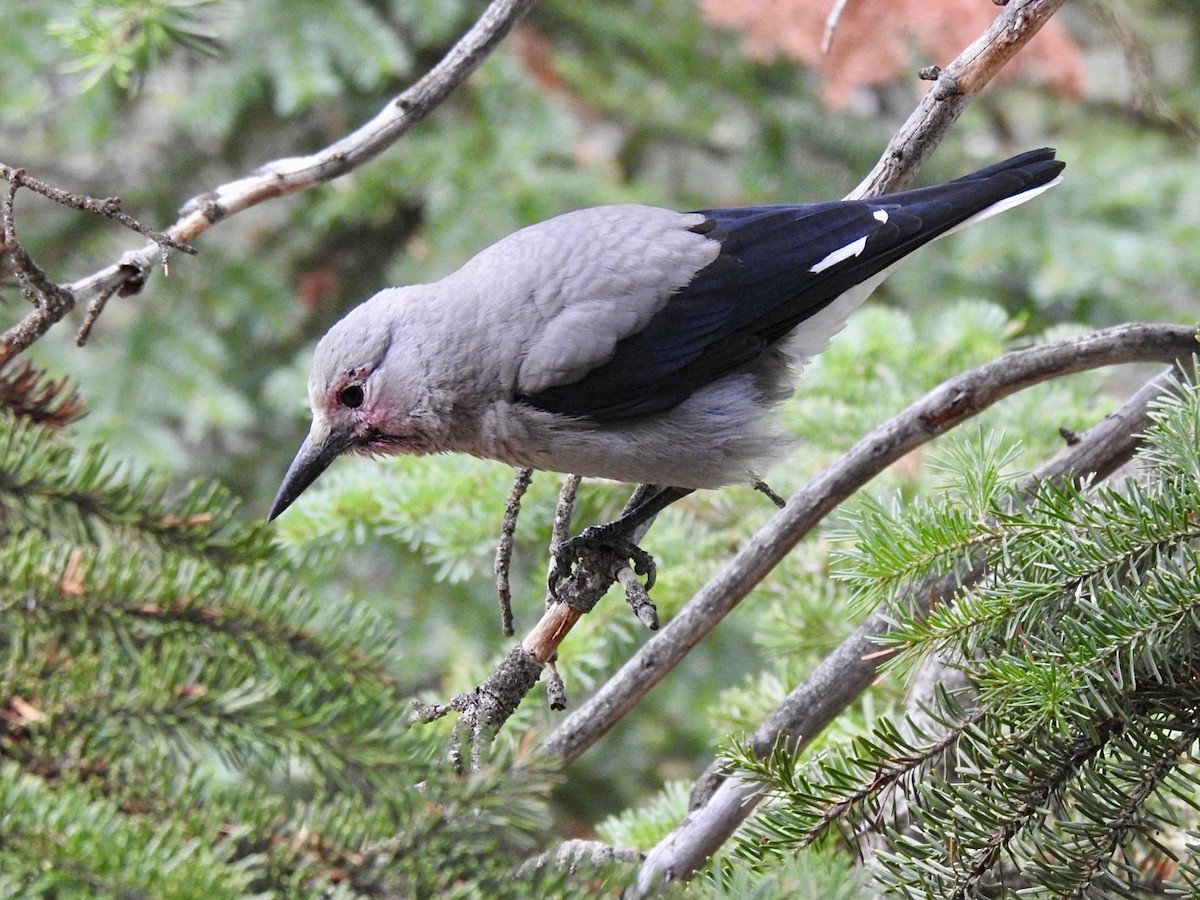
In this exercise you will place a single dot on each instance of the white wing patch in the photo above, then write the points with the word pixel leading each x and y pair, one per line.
pixel 854 248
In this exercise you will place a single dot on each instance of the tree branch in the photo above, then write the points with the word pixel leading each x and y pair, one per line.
pixel 955 87
pixel 948 405
pixel 484 710
pixel 722 800
pixel 287 176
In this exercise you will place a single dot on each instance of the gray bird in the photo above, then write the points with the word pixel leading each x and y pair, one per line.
pixel 625 342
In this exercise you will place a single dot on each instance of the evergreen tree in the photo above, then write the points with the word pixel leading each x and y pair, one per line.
pixel 1061 764
pixel 177 721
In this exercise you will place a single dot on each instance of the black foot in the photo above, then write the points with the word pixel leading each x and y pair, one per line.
pixel 599 543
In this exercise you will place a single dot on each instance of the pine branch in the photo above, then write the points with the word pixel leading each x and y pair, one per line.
pixel 1121 718
pixel 1057 807
pixel 1131 811
pixel 108 593
pixel 890 552
pixel 128 673
pixel 845 785
pixel 44 486
pixel 29 393
pixel 722 800
pixel 60 841
pixel 1080 539
pixel 1030 802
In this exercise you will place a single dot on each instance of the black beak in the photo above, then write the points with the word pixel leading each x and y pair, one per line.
pixel 313 458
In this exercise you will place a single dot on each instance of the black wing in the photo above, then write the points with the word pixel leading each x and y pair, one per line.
pixel 763 285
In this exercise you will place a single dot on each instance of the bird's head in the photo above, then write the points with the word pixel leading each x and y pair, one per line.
pixel 352 407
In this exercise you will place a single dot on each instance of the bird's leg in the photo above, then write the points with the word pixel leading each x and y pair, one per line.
pixel 618 536
pixel 763 488
pixel 564 509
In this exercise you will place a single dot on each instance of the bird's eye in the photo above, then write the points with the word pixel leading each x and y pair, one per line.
pixel 351 396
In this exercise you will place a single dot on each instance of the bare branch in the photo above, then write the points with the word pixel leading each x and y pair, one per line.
pixel 956 87
pixel 50 301
pixel 571 855
pixel 95 307
pixel 564 509
pixel 288 176
pixel 504 549
pixel 108 207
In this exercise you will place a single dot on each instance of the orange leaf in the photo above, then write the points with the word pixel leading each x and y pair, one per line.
pixel 876 42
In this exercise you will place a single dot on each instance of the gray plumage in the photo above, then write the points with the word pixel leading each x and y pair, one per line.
pixel 626 342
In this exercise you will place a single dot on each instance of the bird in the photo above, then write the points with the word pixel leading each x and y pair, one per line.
pixel 627 342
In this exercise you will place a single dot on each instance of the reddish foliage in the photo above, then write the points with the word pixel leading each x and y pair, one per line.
pixel 28 391
pixel 537 54
pixel 877 41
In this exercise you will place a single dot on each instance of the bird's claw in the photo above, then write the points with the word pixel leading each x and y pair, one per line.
pixel 598 541
pixel 643 562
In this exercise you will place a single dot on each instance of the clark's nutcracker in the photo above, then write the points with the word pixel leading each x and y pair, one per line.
pixel 625 342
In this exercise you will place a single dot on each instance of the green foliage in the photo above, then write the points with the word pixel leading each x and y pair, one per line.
pixel 823 875
pixel 1068 773
pixel 647 825
pixel 890 551
pixel 122 41
pixel 82 496
pixel 62 841
pixel 176 718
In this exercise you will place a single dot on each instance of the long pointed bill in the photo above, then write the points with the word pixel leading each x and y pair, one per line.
pixel 313 458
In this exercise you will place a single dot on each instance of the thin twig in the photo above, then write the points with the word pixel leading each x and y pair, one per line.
pixel 95 307
pixel 770 493
pixel 564 510
pixel 569 856
pixel 34 282
pixel 638 598
pixel 556 691
pixel 51 301
pixel 108 207
pixel 831 24
pixel 504 549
